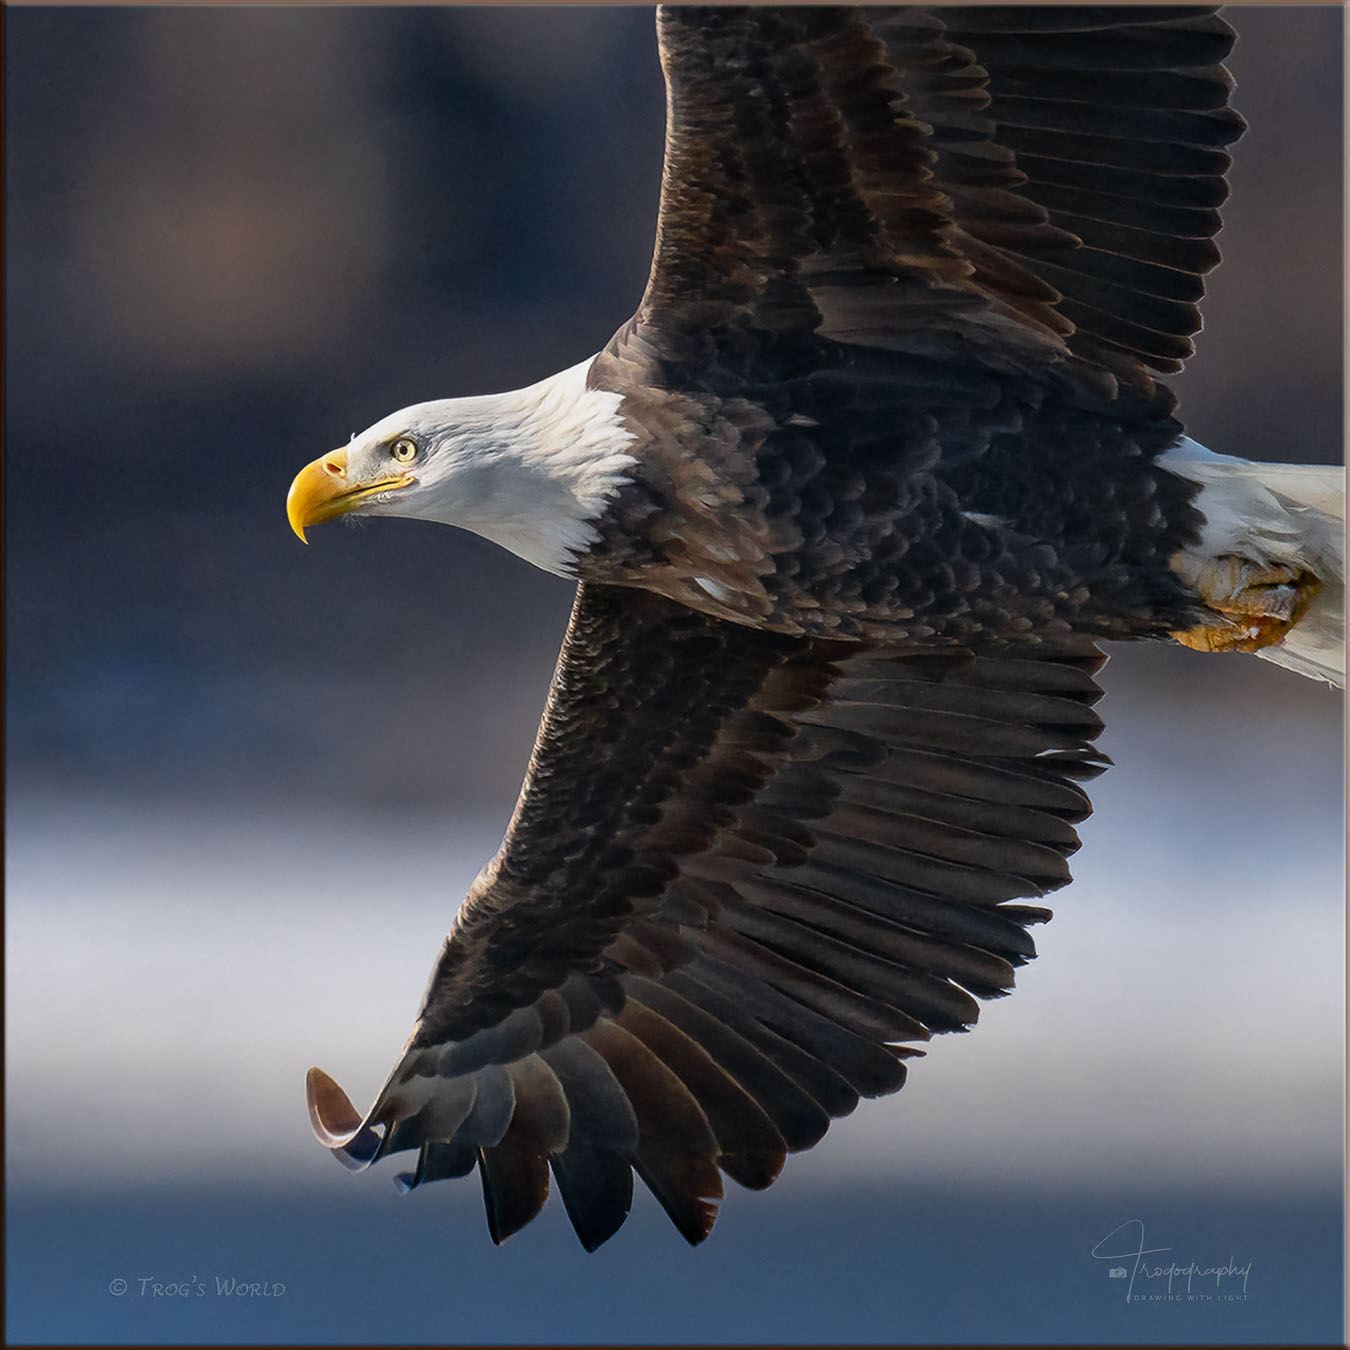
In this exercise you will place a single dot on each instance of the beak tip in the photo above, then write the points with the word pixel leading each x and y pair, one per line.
pixel 318 493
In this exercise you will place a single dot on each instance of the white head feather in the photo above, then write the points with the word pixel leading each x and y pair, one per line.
pixel 531 469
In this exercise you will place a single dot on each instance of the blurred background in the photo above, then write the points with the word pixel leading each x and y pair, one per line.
pixel 249 782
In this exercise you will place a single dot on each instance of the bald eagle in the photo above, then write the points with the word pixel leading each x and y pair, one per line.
pixel 851 501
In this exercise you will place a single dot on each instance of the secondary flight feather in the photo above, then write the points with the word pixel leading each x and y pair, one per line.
pixel 852 499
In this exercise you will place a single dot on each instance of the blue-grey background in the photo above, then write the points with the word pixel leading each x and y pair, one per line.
pixel 248 782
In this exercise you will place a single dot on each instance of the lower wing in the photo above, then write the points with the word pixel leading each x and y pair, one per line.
pixel 746 875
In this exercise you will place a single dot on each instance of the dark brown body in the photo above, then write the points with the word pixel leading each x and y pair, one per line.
pixel 882 496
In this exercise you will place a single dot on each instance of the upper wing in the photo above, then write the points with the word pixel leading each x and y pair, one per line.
pixel 1023 181
pixel 745 873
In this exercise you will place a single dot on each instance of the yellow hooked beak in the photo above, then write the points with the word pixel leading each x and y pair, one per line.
pixel 321 491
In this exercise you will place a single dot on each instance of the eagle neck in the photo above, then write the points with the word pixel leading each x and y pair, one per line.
pixel 547 460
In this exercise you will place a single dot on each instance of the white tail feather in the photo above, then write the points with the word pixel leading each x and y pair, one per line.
pixel 1290 515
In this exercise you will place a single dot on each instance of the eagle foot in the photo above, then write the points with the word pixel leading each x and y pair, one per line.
pixel 1253 605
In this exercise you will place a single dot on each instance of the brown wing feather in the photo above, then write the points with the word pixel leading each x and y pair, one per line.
pixel 1026 182
pixel 746 874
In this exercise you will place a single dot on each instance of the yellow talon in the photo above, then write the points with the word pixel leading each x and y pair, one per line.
pixel 1254 606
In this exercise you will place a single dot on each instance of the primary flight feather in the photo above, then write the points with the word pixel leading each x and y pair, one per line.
pixel 851 500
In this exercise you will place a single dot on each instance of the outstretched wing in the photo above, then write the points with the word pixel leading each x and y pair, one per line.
pixel 1017 183
pixel 746 874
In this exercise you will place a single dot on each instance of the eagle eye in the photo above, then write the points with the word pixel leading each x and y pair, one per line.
pixel 404 450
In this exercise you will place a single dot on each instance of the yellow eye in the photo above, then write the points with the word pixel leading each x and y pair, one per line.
pixel 404 450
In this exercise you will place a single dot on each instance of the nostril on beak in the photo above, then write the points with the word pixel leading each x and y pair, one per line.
pixel 333 467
